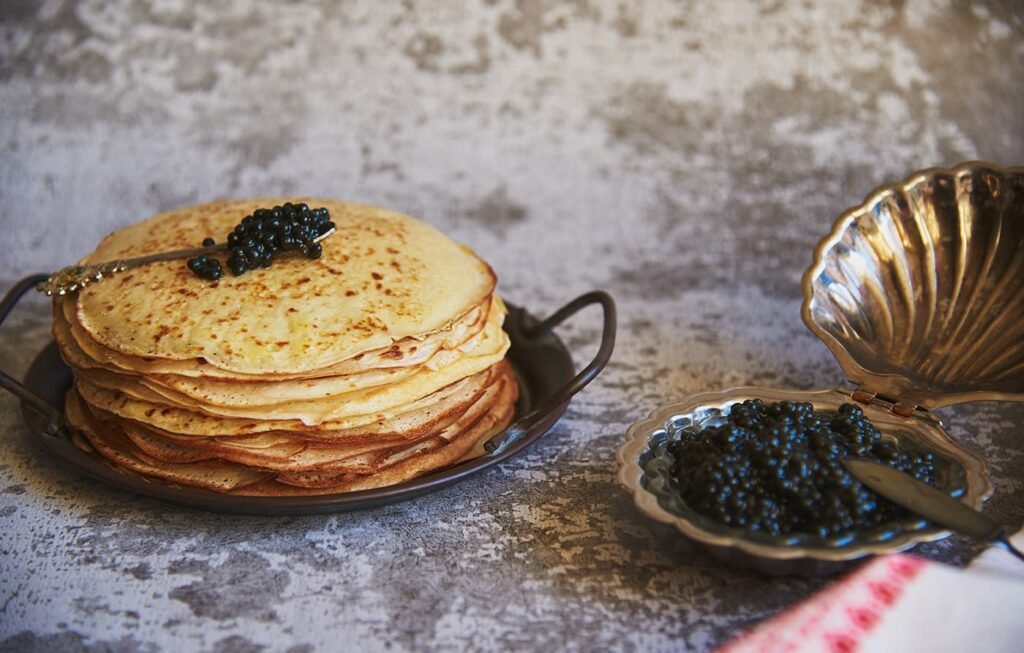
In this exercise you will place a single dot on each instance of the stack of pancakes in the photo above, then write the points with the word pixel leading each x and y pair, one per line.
pixel 380 361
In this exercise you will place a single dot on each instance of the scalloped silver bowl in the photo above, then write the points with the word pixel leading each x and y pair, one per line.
pixel 919 291
pixel 960 472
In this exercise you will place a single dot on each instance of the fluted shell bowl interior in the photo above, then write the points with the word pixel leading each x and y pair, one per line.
pixel 919 291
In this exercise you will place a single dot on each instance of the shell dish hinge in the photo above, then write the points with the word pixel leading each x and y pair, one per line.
pixel 893 405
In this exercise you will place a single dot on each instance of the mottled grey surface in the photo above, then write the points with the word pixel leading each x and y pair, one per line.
pixel 684 155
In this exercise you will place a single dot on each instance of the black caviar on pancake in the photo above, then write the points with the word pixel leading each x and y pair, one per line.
pixel 259 237
pixel 205 267
pixel 777 469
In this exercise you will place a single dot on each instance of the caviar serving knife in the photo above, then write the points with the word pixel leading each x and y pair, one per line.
pixel 928 502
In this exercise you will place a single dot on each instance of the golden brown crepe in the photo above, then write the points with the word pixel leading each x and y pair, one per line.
pixel 383 277
pixel 190 423
pixel 73 339
pixel 316 407
pixel 228 468
pixel 380 361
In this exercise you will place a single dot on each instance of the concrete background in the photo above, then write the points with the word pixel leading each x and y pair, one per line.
pixel 686 156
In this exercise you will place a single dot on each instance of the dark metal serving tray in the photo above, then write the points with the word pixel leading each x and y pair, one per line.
pixel 543 366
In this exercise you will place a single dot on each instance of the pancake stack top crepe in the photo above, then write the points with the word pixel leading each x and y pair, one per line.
pixel 380 361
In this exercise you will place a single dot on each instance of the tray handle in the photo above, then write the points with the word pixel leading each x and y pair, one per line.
pixel 578 382
pixel 54 418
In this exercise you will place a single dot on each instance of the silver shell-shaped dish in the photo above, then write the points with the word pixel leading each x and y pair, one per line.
pixel 919 291
pixel 919 294
pixel 960 473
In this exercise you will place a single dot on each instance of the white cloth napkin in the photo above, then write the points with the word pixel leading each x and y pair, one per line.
pixel 905 603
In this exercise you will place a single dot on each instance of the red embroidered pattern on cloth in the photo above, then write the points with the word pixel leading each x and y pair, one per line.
pixel 838 618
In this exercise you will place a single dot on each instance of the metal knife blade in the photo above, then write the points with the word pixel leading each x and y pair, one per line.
pixel 928 502
pixel 923 499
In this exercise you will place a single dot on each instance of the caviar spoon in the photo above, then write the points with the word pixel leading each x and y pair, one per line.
pixel 71 278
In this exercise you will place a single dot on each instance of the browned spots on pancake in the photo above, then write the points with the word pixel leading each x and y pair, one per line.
pixel 164 330
pixel 377 276
pixel 368 324
pixel 395 353
pixel 350 293
pixel 292 309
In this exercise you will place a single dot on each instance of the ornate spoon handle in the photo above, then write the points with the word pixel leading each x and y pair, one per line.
pixel 73 277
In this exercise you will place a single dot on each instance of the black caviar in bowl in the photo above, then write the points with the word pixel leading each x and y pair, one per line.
pixel 777 468
pixel 774 472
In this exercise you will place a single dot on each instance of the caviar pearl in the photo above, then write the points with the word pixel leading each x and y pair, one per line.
pixel 205 268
